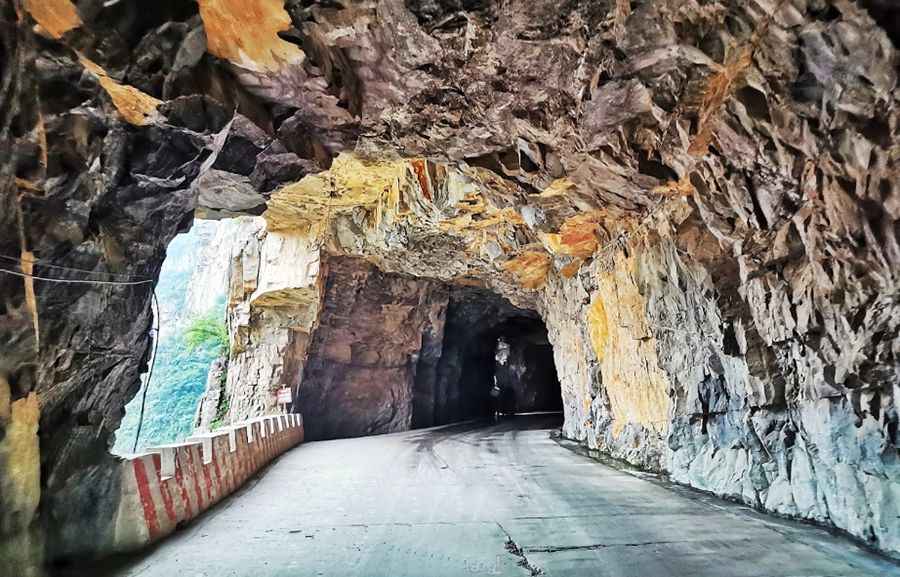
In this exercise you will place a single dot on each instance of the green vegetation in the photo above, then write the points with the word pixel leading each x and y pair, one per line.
pixel 179 378
pixel 221 411
pixel 208 332
pixel 187 348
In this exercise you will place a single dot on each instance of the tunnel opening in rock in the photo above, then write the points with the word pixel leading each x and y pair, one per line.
pixel 392 352
pixel 191 339
pixel 495 358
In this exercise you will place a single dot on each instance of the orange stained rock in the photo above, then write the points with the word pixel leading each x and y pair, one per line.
pixel 530 268
pixel 572 268
pixel 474 205
pixel 420 167
pixel 30 294
pixel 245 32
pixel 673 188
pixel 598 326
pixel 558 187
pixel 56 17
pixel 623 341
pixel 136 107
pixel 718 90
pixel 576 237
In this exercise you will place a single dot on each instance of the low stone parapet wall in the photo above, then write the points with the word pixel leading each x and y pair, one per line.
pixel 172 484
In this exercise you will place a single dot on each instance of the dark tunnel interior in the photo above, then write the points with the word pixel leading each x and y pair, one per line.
pixel 494 357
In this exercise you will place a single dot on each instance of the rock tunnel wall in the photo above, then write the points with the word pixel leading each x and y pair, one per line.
pixel 682 381
pixel 360 376
pixel 389 352
pixel 700 200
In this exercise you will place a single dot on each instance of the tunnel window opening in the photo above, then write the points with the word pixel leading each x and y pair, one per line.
pixel 192 339
pixel 495 358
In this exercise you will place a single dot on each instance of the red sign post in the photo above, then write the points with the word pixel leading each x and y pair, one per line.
pixel 284 396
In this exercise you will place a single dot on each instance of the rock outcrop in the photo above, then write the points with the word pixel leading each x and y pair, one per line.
pixel 212 406
pixel 700 200
pixel 274 298
pixel 363 358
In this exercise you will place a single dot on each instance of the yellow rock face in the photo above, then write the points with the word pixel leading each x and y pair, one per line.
pixel 531 268
pixel 559 187
pixel 577 236
pixel 56 17
pixel 622 340
pixel 350 183
pixel 246 33
pixel 599 326
pixel 136 107
pixel 20 472
pixel 431 199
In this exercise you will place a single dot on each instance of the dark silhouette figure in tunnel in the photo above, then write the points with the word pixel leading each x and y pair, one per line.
pixel 487 342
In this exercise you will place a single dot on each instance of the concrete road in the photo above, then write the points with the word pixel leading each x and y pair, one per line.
pixel 485 499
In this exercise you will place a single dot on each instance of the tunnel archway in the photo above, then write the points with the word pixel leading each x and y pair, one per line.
pixel 392 352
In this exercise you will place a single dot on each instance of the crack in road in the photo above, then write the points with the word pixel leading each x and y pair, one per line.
pixel 514 548
pixel 594 546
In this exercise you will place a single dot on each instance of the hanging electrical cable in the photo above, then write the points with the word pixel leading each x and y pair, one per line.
pixel 45 264
pixel 75 280
pixel 137 434
pixel 155 304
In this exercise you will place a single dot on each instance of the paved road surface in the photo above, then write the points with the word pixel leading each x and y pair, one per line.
pixel 485 499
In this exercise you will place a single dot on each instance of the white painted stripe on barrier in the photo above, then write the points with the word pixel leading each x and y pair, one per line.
pixel 232 440
pixel 167 463
pixel 207 450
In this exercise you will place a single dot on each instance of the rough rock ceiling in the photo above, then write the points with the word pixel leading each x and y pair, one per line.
pixel 748 149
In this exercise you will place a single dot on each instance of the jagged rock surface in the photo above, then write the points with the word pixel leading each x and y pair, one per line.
pixel 212 406
pixel 362 361
pixel 274 296
pixel 743 339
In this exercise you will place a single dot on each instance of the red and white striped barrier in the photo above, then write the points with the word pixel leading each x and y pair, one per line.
pixel 172 484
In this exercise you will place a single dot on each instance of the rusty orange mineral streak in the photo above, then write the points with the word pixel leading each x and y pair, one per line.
pixel 56 17
pixel 421 169
pixel 531 268
pixel 245 32
pixel 135 106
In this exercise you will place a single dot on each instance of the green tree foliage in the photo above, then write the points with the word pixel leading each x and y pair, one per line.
pixel 183 357
pixel 208 332
pixel 178 380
